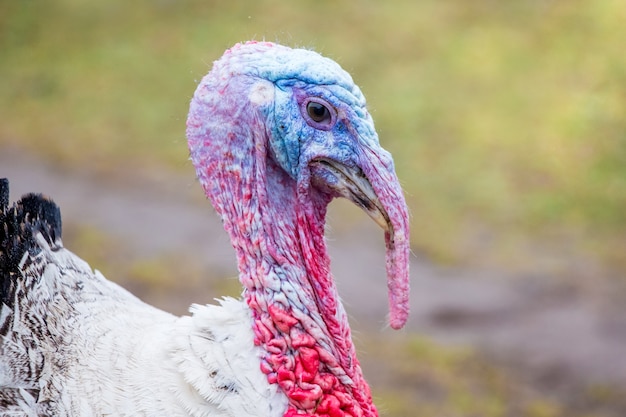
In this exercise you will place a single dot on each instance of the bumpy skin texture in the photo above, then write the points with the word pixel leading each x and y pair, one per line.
pixel 257 155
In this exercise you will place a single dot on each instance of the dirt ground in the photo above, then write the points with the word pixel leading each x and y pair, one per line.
pixel 552 328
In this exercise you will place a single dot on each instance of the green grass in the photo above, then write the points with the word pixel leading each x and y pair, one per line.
pixel 507 119
pixel 170 280
pixel 420 378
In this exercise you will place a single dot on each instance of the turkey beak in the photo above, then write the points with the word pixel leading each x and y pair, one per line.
pixel 352 184
pixel 372 184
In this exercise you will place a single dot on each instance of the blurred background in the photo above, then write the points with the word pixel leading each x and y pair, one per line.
pixel 507 121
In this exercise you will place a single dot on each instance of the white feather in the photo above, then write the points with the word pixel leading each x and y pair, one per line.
pixel 111 354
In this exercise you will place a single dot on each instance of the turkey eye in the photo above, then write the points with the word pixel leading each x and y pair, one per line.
pixel 318 113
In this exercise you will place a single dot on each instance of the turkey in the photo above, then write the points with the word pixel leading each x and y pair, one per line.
pixel 274 134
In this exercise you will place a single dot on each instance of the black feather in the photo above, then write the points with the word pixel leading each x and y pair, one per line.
pixel 4 194
pixel 19 226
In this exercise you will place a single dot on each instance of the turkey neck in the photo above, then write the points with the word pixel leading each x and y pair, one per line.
pixel 276 226
pixel 285 270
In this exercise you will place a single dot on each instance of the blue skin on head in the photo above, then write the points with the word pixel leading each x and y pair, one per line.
pixel 297 75
pixel 295 142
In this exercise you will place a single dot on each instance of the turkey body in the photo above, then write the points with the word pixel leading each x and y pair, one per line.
pixel 80 345
pixel 274 134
